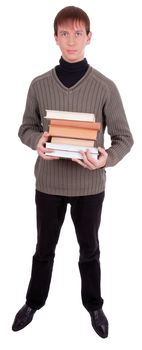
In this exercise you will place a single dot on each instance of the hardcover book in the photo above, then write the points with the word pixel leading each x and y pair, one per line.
pixel 76 123
pixel 66 131
pixel 53 114
pixel 72 141
pixel 69 151
pixel 71 132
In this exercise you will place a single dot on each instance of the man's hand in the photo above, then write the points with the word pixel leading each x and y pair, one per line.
pixel 89 162
pixel 41 147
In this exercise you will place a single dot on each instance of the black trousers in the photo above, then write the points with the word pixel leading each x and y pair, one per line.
pixel 86 215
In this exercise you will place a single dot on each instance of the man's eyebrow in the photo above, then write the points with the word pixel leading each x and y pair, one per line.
pixel 65 30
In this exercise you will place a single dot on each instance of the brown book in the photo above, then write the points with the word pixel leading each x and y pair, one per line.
pixel 80 133
pixel 72 141
pixel 76 124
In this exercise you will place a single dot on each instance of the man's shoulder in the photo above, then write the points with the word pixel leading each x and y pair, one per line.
pixel 42 77
pixel 102 79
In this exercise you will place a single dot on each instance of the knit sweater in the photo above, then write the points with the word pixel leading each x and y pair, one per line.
pixel 93 93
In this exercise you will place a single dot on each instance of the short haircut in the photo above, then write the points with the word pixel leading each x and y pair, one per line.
pixel 72 13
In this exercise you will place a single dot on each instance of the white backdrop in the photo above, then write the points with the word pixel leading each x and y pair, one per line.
pixel 28 50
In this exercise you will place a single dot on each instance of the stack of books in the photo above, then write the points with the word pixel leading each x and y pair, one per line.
pixel 71 132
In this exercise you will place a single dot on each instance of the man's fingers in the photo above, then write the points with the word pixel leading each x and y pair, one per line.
pixel 47 157
pixel 45 136
pixel 88 160
pixel 79 162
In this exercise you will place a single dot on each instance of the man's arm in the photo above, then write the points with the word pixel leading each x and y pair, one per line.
pixel 119 131
pixel 31 131
pixel 117 127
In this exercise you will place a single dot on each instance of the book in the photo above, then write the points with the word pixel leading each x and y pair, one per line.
pixel 69 151
pixel 72 141
pixel 88 134
pixel 69 154
pixel 77 124
pixel 71 132
pixel 53 114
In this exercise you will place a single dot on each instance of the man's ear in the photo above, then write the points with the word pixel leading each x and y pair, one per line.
pixel 56 38
pixel 89 36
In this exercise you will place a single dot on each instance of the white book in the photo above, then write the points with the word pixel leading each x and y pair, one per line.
pixel 53 114
pixel 69 154
pixel 69 151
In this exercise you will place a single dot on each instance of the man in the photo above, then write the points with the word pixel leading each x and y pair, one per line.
pixel 72 86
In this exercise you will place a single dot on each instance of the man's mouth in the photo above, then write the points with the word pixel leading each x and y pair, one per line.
pixel 71 51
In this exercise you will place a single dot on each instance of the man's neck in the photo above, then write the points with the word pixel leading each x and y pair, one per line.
pixel 70 73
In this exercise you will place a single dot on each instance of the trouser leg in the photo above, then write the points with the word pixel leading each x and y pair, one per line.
pixel 50 216
pixel 86 215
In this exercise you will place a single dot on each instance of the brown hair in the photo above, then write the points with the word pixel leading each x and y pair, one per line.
pixel 71 13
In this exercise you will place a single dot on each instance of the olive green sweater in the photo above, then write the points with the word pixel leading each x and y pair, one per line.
pixel 93 93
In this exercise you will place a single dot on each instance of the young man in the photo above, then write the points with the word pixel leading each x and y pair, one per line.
pixel 72 86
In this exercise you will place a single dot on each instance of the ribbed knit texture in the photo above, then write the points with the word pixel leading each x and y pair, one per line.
pixel 93 93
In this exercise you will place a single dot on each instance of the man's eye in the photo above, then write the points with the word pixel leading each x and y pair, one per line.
pixel 64 34
pixel 78 34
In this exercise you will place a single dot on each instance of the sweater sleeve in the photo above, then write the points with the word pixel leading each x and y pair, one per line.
pixel 117 127
pixel 31 128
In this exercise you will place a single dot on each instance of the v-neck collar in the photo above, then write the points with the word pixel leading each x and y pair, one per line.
pixel 75 86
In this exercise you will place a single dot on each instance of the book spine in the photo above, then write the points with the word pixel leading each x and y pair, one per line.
pixel 72 141
pixel 55 114
pixel 77 124
pixel 69 154
pixel 72 132
pixel 67 147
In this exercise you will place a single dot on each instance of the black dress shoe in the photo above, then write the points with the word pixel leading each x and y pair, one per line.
pixel 23 318
pixel 99 323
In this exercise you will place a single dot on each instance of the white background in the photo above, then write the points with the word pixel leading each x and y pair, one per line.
pixel 28 50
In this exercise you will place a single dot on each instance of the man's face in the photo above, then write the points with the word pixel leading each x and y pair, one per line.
pixel 72 40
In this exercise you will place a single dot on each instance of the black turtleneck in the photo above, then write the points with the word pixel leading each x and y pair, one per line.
pixel 70 73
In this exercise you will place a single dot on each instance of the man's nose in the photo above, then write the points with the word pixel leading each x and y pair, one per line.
pixel 71 39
